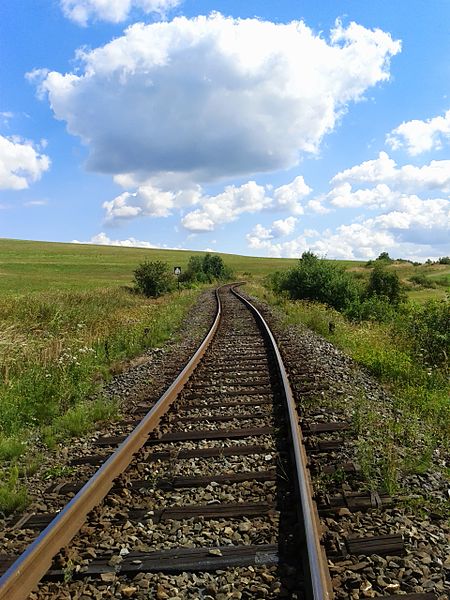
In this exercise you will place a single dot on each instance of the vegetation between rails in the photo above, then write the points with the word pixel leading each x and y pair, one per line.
pixel 407 348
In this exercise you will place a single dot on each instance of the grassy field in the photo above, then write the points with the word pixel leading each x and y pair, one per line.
pixel 33 266
pixel 27 266
pixel 436 275
pixel 67 319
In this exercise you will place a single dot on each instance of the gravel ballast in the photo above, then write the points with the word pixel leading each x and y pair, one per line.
pixel 327 385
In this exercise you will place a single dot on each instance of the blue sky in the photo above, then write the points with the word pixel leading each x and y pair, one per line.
pixel 263 128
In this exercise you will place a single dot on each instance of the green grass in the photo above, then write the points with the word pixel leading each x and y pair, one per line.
pixel 13 494
pixel 392 440
pixel 37 266
pixel 56 350
pixel 59 346
pixel 437 274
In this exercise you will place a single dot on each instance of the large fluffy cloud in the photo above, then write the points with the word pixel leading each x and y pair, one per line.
pixel 421 136
pixel 114 11
pixel 213 97
pixel 20 163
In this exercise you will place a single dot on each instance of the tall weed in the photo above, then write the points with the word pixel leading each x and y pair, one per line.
pixel 57 348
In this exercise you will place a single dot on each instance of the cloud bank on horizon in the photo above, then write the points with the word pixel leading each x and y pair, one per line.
pixel 192 117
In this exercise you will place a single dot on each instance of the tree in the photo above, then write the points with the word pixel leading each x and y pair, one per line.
pixel 385 284
pixel 194 270
pixel 384 256
pixel 205 269
pixel 153 278
pixel 213 266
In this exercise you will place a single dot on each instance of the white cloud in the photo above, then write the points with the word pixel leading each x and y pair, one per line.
pixel 408 178
pixel 289 196
pixel 36 203
pixel 276 249
pixel 416 228
pixel 213 97
pixel 421 136
pixel 316 206
pixel 427 220
pixel 6 116
pixel 380 196
pixel 198 221
pixel 354 241
pixel 260 236
pixel 282 227
pixel 102 239
pixel 114 11
pixel 20 163
pixel 227 206
pixel 148 201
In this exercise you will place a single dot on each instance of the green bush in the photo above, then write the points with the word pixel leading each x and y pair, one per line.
pixel 318 279
pixel 373 308
pixel 384 256
pixel 385 284
pixel 426 328
pixel 153 278
pixel 422 280
pixel 205 269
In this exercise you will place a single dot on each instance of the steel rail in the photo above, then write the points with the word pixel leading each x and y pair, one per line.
pixel 26 572
pixel 320 588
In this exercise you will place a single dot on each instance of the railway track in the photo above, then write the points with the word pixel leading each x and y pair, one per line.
pixel 209 496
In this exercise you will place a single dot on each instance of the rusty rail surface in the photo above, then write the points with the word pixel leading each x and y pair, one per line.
pixel 24 575
pixel 320 583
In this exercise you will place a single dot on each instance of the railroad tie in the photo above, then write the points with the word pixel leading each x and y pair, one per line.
pixel 174 483
pixel 179 560
pixel 179 513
